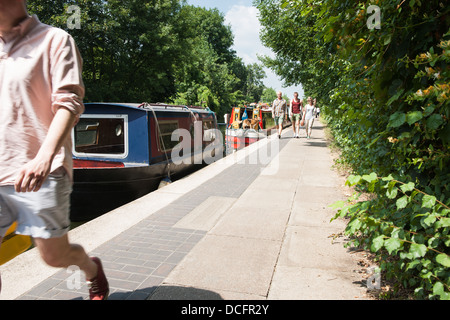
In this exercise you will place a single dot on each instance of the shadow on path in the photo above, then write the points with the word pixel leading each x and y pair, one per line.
pixel 163 292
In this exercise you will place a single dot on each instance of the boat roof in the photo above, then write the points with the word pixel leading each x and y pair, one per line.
pixel 149 106
pixel 262 106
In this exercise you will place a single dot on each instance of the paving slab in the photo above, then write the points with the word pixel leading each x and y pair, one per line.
pixel 256 223
pixel 227 263
pixel 301 283
pixel 314 215
pixel 313 247
pixel 205 216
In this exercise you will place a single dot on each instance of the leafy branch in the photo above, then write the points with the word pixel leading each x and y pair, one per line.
pixel 390 221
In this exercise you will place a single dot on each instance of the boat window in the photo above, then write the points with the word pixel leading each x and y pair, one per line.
pixel 208 124
pixel 100 135
pixel 167 128
pixel 236 114
pixel 209 132
pixel 249 113
pixel 268 121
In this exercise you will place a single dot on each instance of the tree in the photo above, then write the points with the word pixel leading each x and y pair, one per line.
pixel 268 95
pixel 156 51
pixel 130 48
pixel 301 57
pixel 385 95
pixel 254 85
pixel 205 77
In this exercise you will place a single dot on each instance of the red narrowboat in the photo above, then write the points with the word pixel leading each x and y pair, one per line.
pixel 248 124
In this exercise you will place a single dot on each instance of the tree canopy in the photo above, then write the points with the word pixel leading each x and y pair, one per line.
pixel 156 51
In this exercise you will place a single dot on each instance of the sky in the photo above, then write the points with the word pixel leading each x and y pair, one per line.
pixel 243 19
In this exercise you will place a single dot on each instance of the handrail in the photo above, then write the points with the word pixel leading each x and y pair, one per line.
pixel 160 104
pixel 145 104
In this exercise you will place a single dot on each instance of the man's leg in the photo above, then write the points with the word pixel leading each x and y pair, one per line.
pixel 1 240
pixel 59 253
pixel 293 126
pixel 280 126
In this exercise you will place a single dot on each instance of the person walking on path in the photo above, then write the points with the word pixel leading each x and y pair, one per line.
pixel 308 117
pixel 317 111
pixel 279 112
pixel 295 113
pixel 41 93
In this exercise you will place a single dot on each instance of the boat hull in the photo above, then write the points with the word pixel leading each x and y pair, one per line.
pixel 97 191
pixel 237 139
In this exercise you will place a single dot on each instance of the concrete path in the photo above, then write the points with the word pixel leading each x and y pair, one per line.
pixel 246 227
pixel 275 241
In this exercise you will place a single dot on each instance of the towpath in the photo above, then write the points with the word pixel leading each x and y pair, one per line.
pixel 245 227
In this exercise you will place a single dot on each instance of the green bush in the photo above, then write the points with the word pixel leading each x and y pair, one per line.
pixel 385 94
pixel 406 228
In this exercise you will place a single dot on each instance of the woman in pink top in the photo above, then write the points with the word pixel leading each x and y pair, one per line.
pixel 295 112
pixel 41 93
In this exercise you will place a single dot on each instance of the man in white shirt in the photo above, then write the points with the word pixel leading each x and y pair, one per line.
pixel 278 112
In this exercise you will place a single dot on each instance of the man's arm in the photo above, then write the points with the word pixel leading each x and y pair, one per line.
pixel 273 109
pixel 34 173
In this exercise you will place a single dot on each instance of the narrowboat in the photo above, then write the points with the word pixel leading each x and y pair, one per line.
pixel 122 151
pixel 248 124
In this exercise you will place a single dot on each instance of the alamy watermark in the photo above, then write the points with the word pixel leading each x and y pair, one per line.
pixel 73 281
pixel 373 282
pixel 374 20
pixel 74 20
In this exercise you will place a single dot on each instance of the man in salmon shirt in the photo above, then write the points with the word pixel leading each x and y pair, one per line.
pixel 41 99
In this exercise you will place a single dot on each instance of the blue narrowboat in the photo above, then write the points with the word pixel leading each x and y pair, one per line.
pixel 122 151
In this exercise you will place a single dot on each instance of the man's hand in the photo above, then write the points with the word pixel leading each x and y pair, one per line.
pixel 32 175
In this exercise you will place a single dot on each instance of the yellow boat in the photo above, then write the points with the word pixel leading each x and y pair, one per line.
pixel 13 244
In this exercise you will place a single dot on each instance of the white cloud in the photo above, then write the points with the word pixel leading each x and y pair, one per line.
pixel 246 27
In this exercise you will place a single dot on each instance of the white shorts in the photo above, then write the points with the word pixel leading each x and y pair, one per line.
pixel 42 214
pixel 309 123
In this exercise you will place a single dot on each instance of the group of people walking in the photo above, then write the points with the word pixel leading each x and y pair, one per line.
pixel 299 113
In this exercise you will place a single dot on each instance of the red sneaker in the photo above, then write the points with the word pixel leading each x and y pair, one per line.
pixel 98 287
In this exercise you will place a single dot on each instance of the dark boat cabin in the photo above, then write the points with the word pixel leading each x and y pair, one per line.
pixel 123 151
